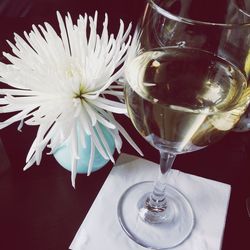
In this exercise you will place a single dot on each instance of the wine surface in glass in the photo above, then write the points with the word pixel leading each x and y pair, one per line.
pixel 182 99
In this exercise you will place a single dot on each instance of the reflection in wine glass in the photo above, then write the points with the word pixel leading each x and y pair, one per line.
pixel 185 91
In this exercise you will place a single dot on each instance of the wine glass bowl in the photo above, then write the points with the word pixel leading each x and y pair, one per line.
pixel 186 88
pixel 177 110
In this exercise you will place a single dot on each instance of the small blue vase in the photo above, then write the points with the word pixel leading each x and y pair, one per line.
pixel 63 155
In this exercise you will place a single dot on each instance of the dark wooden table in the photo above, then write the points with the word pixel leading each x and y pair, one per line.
pixel 39 209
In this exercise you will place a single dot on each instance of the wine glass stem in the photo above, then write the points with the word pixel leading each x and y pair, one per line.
pixel 154 207
pixel 166 163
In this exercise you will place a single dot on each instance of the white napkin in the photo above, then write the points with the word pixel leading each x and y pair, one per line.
pixel 101 230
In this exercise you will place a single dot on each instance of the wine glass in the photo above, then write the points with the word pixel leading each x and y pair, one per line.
pixel 243 7
pixel 240 12
pixel 186 89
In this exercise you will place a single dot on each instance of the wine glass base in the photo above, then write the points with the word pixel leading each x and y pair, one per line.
pixel 173 231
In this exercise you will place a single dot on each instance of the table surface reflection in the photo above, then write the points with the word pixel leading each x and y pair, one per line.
pixel 39 209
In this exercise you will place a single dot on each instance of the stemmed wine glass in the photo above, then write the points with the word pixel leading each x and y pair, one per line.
pixel 186 89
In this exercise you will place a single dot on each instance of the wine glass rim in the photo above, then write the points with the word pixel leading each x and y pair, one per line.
pixel 174 17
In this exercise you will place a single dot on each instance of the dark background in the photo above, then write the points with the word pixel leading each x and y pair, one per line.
pixel 39 209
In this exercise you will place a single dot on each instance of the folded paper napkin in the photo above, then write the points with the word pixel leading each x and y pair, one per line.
pixel 101 230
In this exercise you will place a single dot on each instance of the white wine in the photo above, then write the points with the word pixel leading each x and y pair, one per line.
pixel 182 99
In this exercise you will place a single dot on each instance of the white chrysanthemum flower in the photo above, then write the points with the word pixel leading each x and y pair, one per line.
pixel 60 83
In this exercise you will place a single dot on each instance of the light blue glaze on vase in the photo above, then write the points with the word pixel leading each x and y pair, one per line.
pixel 63 154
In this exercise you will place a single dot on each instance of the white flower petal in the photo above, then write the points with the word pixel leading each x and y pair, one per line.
pixel 91 113
pixel 110 105
pixel 61 82
pixel 103 119
pixel 91 158
pixel 15 118
pixel 63 33
pixel 29 163
pixel 104 142
pixel 98 144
